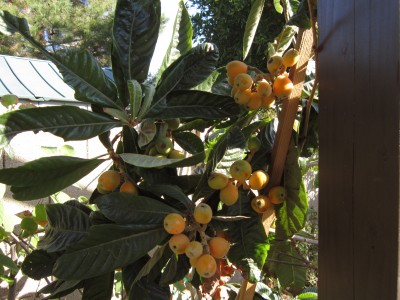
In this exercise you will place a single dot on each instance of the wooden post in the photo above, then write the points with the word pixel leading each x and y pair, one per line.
pixel 359 149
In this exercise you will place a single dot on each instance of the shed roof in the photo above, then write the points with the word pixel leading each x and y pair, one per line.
pixel 34 79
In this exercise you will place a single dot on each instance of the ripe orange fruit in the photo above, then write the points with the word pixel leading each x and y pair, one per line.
pixel 109 181
pixel 174 223
pixel 264 89
pixel 229 194
pixel 277 194
pixel 282 86
pixel 203 213
pixel 254 102
pixel 274 64
pixel 194 249
pixel 243 81
pixel 258 180
pixel 267 101
pixel 219 247
pixel 129 187
pixel 206 266
pixel 290 58
pixel 242 97
pixel 260 204
pixel 217 181
pixel 235 67
pixel 178 243
pixel 240 170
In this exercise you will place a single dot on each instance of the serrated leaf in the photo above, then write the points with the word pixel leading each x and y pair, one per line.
pixel 194 104
pixel 66 225
pixel 123 208
pixel 284 264
pixel 188 141
pixel 135 97
pixel 46 176
pixel 187 71
pixel 282 41
pixel 39 264
pixel 146 161
pixel 68 122
pixel 106 247
pixel 251 25
pixel 10 24
pixel 86 77
pixel 7 262
pixel 135 32
pixel 216 83
pixel 181 41
pixel 291 214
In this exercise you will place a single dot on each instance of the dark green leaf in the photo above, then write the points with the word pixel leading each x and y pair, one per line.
pixel 149 264
pixel 216 83
pixel 251 25
pixel 46 176
pixel 66 225
pixel 60 288
pixel 67 122
pixel 82 72
pixel 39 264
pixel 194 104
pixel 149 91
pixel 146 161
pixel 181 41
pixel 118 114
pixel 176 268
pixel 8 263
pixel 129 139
pixel 291 214
pixel 149 290
pixel 284 263
pixel 99 287
pixel 187 71
pixel 172 191
pixel 135 96
pixel 106 248
pixel 123 208
pixel 197 124
pixel 301 17
pixel 135 33
pixel 10 24
pixel 265 292
pixel 188 141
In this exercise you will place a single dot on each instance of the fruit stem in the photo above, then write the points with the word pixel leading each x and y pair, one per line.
pixel 204 238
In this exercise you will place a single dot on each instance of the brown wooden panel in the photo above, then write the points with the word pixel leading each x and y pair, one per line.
pixel 359 149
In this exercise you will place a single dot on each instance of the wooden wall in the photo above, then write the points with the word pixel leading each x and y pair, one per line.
pixel 359 149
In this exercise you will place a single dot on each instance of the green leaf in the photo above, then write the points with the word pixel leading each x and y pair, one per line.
pixel 188 141
pixel 175 269
pixel 291 214
pixel 130 138
pixel 283 261
pixel 9 100
pixel 194 104
pixel 181 41
pixel 10 24
pixel 150 264
pixel 60 288
pixel 66 225
pixel 8 263
pixel 123 208
pixel 251 25
pixel 135 33
pixel 147 132
pixel 82 72
pixel 249 241
pixel 187 71
pixel 266 292
pixel 118 114
pixel 46 176
pixel 146 161
pixel 282 41
pixel 216 83
pixel 149 91
pixel 106 248
pixel 39 264
pixel 278 6
pixel 197 124
pixel 301 18
pixel 172 191
pixel 135 97
pixel 307 296
pixel 67 122
pixel 99 287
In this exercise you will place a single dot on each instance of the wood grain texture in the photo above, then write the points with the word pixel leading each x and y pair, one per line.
pixel 359 149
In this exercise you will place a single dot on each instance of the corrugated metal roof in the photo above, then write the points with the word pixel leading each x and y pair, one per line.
pixel 34 79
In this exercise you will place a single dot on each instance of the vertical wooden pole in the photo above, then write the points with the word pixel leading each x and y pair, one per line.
pixel 359 149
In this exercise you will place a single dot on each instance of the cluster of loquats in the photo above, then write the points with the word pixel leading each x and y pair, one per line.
pixel 110 180
pixel 262 203
pixel 202 253
pixel 261 90
pixel 163 147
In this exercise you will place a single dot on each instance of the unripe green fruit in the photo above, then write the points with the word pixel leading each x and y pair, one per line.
pixel 254 144
pixel 153 151
pixel 229 194
pixel 176 154
pixel 240 170
pixel 29 225
pixel 173 123
pixel 217 181
pixel 164 145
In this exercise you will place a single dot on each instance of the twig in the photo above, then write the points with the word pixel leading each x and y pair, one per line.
pixel 20 242
pixel 292 264
pixel 300 238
